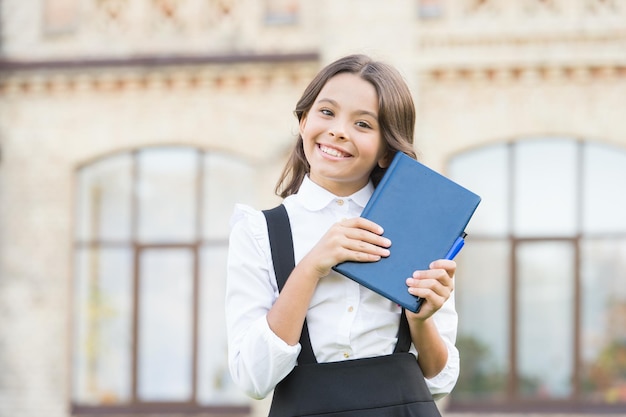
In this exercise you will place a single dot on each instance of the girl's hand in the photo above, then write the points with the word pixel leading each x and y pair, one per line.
pixel 356 239
pixel 434 286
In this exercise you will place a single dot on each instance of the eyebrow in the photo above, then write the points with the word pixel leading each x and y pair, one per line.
pixel 358 112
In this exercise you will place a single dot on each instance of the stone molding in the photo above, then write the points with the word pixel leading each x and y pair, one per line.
pixel 514 74
pixel 178 73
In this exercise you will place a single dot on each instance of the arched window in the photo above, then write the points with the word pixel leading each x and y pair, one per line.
pixel 541 288
pixel 150 255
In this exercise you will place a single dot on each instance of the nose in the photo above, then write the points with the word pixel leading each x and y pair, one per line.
pixel 339 130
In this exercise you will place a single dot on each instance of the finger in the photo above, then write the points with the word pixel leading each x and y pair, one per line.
pixel 363 223
pixel 367 237
pixel 440 275
pixel 362 256
pixel 446 264
pixel 423 287
pixel 361 246
pixel 431 299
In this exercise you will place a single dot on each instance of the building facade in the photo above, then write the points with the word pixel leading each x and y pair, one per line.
pixel 129 129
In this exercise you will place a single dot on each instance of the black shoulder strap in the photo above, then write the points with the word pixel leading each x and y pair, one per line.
pixel 404 335
pixel 281 243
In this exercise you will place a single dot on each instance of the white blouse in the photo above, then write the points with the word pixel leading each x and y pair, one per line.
pixel 345 319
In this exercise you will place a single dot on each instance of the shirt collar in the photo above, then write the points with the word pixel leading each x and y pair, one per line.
pixel 314 197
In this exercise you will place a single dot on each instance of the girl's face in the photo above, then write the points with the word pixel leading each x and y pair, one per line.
pixel 341 135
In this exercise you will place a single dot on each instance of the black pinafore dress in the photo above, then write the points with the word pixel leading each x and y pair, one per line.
pixel 383 386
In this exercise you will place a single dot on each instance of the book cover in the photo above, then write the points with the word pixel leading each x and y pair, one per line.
pixel 423 213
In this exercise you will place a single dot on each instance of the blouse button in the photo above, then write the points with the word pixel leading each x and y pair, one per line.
pixel 340 202
pixel 350 309
pixel 346 355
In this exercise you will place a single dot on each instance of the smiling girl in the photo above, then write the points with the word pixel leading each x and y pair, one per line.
pixel 298 331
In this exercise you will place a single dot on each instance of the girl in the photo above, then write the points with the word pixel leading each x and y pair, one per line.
pixel 353 117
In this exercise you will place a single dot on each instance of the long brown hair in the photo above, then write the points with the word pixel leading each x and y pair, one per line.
pixel 396 115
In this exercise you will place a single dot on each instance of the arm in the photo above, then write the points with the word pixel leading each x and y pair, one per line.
pixel 258 359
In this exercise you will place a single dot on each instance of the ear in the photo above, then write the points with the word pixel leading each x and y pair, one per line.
pixel 385 160
pixel 302 123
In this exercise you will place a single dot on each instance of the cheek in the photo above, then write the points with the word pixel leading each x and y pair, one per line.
pixel 308 146
pixel 382 150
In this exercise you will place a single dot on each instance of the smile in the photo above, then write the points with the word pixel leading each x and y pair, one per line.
pixel 333 152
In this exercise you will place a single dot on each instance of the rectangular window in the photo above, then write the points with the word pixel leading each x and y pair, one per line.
pixel 486 172
pixel 104 205
pixel 564 313
pixel 165 325
pixel 603 324
pixel 545 319
pixel 220 196
pixel 103 330
pixel 281 12
pixel 150 269
pixel 484 348
pixel 545 198
pixel 431 9
pixel 604 207
pixel 214 381
pixel 167 195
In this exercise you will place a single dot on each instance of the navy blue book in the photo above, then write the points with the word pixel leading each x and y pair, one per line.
pixel 424 214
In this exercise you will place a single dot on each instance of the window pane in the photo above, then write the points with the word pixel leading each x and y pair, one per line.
pixel 545 313
pixel 167 194
pixel 215 385
pixel 483 280
pixel 485 172
pixel 165 325
pixel 604 320
pixel 545 197
pixel 104 200
pixel 431 9
pixel 102 327
pixel 226 181
pixel 280 12
pixel 604 200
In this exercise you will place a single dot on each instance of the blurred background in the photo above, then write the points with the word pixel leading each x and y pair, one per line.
pixel 129 128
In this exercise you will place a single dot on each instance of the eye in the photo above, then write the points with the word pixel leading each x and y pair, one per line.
pixel 326 112
pixel 363 124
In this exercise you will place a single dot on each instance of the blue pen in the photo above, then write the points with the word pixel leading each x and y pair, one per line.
pixel 456 247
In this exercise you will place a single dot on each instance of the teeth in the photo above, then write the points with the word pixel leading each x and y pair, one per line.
pixel 332 152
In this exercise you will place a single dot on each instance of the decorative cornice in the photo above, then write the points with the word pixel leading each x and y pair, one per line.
pixel 493 74
pixel 155 72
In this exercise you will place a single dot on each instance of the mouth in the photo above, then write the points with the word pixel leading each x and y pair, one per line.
pixel 333 151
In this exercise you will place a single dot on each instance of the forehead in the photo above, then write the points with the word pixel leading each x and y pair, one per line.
pixel 350 90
